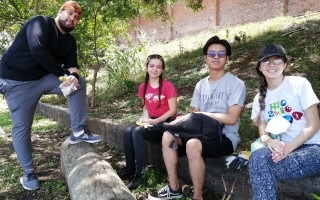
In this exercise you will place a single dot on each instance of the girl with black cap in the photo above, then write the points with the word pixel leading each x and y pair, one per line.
pixel 287 106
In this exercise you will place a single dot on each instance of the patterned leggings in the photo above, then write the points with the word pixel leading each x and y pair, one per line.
pixel 264 173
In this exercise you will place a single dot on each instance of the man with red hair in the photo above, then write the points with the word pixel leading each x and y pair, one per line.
pixel 43 51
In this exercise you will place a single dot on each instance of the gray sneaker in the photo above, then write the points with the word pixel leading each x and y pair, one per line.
pixel 85 137
pixel 166 193
pixel 30 181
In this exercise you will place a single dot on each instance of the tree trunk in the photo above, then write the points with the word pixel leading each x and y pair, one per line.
pixel 89 176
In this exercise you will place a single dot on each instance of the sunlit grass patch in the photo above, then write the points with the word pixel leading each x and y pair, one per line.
pixel 41 124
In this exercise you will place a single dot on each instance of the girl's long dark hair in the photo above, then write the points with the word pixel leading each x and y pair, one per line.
pixel 146 80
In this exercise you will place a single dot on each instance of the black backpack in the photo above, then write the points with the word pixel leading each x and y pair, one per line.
pixel 196 125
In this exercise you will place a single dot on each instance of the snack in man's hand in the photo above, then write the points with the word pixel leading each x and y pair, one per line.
pixel 66 90
pixel 62 78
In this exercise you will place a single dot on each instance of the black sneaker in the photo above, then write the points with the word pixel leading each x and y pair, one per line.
pixel 126 173
pixel 136 181
pixel 166 193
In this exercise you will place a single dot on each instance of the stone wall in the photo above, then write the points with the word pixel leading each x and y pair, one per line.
pixel 219 13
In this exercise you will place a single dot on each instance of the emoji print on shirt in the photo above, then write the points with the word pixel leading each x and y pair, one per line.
pixel 281 108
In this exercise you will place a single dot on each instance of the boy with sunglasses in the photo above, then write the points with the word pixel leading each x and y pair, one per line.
pixel 221 96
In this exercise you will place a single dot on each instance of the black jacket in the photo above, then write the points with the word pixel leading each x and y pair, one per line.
pixel 38 49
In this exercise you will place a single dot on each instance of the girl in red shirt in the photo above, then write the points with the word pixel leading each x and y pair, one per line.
pixel 159 100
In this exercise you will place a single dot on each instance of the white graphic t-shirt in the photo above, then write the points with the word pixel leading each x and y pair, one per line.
pixel 289 101
pixel 217 97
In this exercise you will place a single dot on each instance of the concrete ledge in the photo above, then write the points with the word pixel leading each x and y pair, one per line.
pixel 111 131
pixel 215 168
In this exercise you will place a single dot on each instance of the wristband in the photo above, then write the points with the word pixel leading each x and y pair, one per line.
pixel 75 75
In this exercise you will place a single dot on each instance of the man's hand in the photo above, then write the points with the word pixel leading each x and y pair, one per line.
pixel 69 84
pixel 72 77
pixel 74 69
pixel 69 80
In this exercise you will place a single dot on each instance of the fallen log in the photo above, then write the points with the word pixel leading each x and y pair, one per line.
pixel 89 176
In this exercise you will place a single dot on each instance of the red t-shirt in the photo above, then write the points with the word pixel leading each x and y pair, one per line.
pixel 152 99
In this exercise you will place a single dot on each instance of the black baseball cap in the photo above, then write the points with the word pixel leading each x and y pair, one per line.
pixel 272 50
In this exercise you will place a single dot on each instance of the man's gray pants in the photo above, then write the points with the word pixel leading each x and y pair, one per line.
pixel 22 98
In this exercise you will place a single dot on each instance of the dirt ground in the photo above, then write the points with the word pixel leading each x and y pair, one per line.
pixel 46 155
pixel 46 149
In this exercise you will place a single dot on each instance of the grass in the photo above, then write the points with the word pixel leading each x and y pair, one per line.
pixel 300 36
pixel 47 137
pixel 184 67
